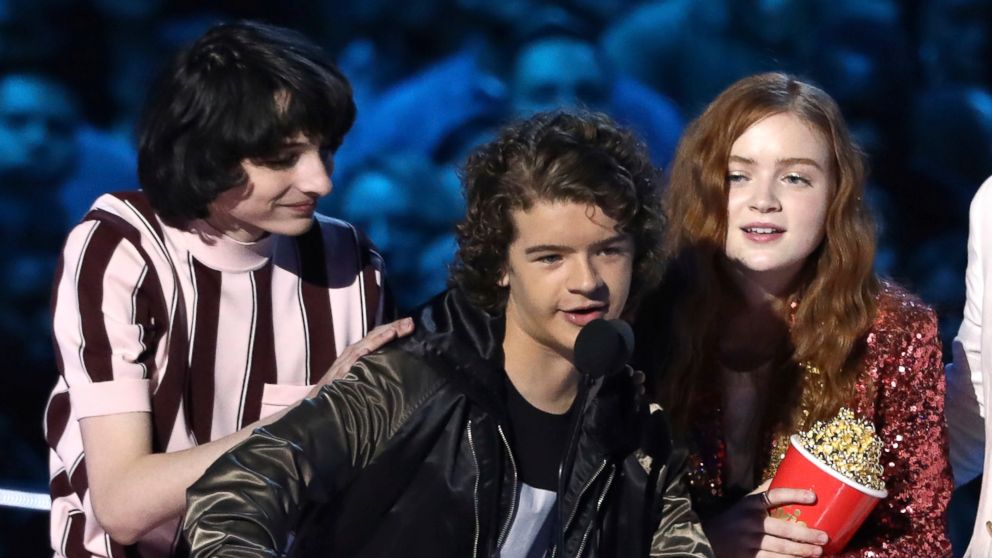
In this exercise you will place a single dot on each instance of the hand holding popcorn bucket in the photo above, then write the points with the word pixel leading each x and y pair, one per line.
pixel 839 461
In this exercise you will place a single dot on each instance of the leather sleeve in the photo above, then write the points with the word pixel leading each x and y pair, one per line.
pixel 250 500
pixel 680 532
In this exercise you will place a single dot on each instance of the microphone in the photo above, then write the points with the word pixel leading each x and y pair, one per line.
pixel 603 347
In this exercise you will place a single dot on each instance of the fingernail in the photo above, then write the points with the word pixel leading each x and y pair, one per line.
pixel 822 538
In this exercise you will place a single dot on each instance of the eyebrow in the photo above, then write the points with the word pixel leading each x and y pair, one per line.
pixel 619 237
pixel 294 144
pixel 781 162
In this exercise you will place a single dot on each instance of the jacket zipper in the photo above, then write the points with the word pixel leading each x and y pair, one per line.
pixel 578 500
pixel 475 490
pixel 599 504
pixel 513 501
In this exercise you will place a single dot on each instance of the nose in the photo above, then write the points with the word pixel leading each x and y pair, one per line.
pixel 764 197
pixel 585 277
pixel 313 176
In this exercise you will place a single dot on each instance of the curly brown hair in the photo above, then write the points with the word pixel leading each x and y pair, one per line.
pixel 555 156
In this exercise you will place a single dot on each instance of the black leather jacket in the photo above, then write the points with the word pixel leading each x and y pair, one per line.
pixel 410 455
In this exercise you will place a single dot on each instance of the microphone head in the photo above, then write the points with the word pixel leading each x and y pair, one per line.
pixel 603 347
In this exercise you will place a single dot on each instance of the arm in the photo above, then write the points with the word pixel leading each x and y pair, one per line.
pixel 679 533
pixel 965 398
pixel 107 347
pixel 249 500
pixel 910 420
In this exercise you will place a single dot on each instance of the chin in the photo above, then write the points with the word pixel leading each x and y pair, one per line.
pixel 294 229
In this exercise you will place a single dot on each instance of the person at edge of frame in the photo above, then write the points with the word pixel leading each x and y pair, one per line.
pixel 969 376
pixel 201 307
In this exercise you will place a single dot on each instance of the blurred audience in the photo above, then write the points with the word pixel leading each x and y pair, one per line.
pixel 433 78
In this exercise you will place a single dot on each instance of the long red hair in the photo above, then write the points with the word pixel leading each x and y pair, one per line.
pixel 837 288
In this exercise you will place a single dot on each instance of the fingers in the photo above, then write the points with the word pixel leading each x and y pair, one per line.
pixel 770 554
pixel 795 532
pixel 777 546
pixel 373 341
pixel 384 334
pixel 763 487
pixel 637 378
pixel 782 496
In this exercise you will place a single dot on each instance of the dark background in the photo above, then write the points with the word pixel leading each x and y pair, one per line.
pixel 432 78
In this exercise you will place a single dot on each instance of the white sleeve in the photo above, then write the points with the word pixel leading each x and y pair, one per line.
pixel 965 406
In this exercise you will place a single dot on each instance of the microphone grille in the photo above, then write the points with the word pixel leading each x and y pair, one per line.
pixel 603 347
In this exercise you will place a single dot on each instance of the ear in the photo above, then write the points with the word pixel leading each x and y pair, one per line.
pixel 504 279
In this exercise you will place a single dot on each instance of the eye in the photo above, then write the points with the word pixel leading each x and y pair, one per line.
pixel 797 179
pixel 282 160
pixel 613 250
pixel 735 176
pixel 548 259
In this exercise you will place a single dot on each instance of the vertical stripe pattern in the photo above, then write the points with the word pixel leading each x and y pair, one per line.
pixel 206 289
pixel 147 317
pixel 316 303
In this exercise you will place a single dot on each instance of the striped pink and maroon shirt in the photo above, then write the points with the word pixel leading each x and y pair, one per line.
pixel 206 333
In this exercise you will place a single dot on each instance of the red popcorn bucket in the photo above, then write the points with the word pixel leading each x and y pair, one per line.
pixel 841 503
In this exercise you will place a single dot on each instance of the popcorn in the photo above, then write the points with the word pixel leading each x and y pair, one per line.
pixel 847 445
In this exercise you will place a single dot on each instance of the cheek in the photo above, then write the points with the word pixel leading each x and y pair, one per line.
pixel 620 277
pixel 818 217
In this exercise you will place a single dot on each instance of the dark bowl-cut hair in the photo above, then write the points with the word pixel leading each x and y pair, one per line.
pixel 239 92
pixel 555 156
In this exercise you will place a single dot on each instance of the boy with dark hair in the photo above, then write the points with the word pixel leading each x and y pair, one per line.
pixel 193 311
pixel 477 436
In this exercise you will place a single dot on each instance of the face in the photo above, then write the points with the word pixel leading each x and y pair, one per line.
pixel 780 182
pixel 567 266
pixel 37 126
pixel 555 73
pixel 280 195
pixel 384 210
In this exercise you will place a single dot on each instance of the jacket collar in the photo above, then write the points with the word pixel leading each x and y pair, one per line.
pixel 467 341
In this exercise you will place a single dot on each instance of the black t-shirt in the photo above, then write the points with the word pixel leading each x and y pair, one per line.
pixel 539 440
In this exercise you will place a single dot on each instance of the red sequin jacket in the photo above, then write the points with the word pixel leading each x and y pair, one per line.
pixel 903 363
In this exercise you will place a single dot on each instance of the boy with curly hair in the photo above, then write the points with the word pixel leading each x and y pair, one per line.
pixel 477 436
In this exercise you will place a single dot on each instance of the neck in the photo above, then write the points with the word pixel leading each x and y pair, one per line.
pixel 231 228
pixel 754 323
pixel 547 380
pixel 762 289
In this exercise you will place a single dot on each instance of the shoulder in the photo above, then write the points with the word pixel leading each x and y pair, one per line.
pixel 342 239
pixel 900 310
pixel 114 221
pixel 904 341
pixel 127 215
pixel 983 197
pixel 393 378
pixel 402 365
pixel 979 212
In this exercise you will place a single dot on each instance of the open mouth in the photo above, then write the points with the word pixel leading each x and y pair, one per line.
pixel 582 316
pixel 762 232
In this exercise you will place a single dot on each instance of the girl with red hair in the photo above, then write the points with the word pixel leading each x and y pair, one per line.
pixel 771 318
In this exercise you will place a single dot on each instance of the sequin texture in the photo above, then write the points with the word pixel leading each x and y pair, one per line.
pixel 901 392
